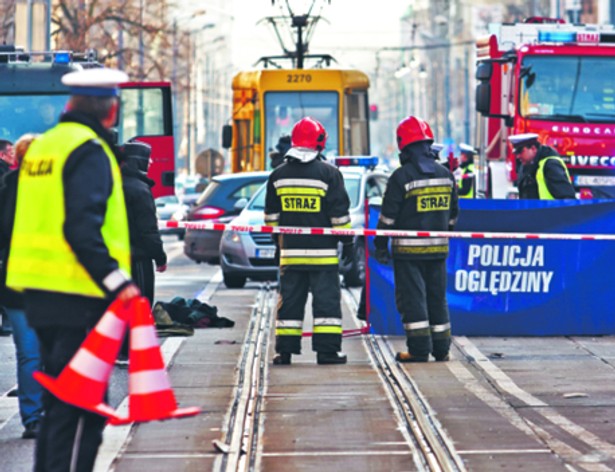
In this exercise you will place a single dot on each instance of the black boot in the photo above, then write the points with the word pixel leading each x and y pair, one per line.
pixel 324 358
pixel 283 358
pixel 407 357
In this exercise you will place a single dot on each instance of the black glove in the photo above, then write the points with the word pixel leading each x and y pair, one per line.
pixel 382 255
pixel 347 254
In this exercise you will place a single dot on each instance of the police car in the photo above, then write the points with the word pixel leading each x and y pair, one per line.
pixel 246 255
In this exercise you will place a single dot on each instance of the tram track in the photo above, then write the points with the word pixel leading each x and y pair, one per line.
pixel 431 448
pixel 241 443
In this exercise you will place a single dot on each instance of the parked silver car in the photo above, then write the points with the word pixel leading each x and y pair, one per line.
pixel 246 255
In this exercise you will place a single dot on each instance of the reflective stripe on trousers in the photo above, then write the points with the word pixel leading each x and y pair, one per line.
pixel 420 295
pixel 326 307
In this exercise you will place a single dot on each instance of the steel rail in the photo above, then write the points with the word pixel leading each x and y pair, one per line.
pixel 240 445
pixel 432 448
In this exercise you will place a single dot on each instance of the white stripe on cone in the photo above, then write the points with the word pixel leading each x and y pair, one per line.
pixel 90 366
pixel 111 326
pixel 143 337
pixel 148 381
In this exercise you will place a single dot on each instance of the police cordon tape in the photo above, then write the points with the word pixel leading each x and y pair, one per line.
pixel 380 232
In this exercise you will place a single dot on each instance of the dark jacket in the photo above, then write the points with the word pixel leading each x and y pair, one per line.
pixel 276 158
pixel 8 198
pixel 557 180
pixel 420 195
pixel 145 241
pixel 87 187
pixel 293 200
pixel 4 167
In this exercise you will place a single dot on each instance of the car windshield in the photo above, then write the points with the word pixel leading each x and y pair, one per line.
pixel 258 201
pixel 353 187
pixel 284 109
pixel 29 114
pixel 568 88
pixel 209 190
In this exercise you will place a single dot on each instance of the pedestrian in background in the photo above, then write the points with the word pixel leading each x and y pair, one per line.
pixel 29 391
pixel 7 156
pixel 145 241
pixel 70 251
pixel 7 162
pixel 467 181
pixel 281 148
pixel 543 174
pixel 308 192
pixel 420 195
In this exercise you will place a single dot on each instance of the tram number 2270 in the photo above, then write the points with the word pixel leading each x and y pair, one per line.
pixel 297 78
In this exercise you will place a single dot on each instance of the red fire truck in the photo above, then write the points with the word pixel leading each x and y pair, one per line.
pixel 32 97
pixel 556 80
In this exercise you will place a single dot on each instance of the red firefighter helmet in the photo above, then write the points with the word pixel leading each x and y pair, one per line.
pixel 413 130
pixel 308 138
pixel 309 133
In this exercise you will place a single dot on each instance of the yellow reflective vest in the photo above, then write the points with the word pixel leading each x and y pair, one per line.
pixel 40 257
pixel 467 171
pixel 543 190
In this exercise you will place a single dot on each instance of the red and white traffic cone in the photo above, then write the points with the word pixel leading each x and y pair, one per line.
pixel 150 394
pixel 84 381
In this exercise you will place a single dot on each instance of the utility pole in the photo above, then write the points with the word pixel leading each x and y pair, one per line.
pixel 300 22
pixel 174 85
pixel 140 114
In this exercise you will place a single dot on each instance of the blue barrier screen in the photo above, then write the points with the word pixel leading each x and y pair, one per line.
pixel 499 287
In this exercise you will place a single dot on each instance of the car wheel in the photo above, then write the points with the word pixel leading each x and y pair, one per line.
pixel 355 277
pixel 234 281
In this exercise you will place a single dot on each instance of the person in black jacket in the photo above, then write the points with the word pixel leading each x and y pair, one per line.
pixel 7 156
pixel 7 160
pixel 420 195
pixel 308 192
pixel 29 391
pixel 70 252
pixel 145 241
pixel 281 148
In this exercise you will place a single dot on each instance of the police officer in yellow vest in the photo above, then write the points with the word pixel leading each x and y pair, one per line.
pixel 467 182
pixel 70 251
pixel 543 174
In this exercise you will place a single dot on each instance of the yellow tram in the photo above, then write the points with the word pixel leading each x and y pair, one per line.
pixel 267 103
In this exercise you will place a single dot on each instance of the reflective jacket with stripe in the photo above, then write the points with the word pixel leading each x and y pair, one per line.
pixel 307 194
pixel 420 195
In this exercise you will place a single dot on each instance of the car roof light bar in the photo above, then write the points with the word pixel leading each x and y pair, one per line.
pixel 359 161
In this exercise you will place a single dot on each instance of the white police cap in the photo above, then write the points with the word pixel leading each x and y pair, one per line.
pixel 463 147
pixel 437 147
pixel 96 82
pixel 520 139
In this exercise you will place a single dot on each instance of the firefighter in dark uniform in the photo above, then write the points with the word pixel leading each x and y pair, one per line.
pixel 70 251
pixel 467 181
pixel 543 174
pixel 307 192
pixel 420 195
